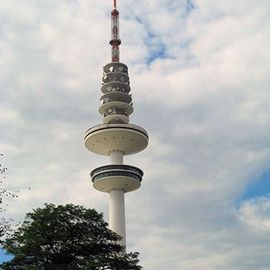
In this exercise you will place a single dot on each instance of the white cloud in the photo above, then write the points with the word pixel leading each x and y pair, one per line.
pixel 256 213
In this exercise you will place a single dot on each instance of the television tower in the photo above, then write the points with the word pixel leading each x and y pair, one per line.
pixel 116 137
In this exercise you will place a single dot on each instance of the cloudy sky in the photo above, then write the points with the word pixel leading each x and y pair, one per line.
pixel 200 82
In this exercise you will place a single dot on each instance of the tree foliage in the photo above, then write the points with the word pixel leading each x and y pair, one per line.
pixel 5 193
pixel 66 237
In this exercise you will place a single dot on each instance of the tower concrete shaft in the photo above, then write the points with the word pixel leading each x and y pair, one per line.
pixel 117 214
pixel 117 204
pixel 116 137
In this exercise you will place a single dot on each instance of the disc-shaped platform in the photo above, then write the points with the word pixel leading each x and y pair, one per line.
pixel 106 138
pixel 116 183
pixel 116 177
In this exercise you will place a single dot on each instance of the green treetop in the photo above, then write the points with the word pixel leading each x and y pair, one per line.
pixel 66 237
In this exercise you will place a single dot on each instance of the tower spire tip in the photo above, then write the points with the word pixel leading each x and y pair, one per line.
pixel 115 41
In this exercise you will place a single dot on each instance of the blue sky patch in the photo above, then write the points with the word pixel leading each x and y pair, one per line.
pixel 260 188
pixel 158 53
pixel 189 6
pixel 157 49
pixel 4 257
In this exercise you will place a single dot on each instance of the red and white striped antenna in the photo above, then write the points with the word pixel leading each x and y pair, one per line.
pixel 115 40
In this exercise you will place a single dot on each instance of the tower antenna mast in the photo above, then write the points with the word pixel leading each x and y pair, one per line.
pixel 115 39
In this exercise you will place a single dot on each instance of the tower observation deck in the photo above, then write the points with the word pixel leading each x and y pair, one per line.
pixel 116 137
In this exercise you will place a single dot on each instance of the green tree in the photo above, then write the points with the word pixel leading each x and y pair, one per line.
pixel 66 237
pixel 5 195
